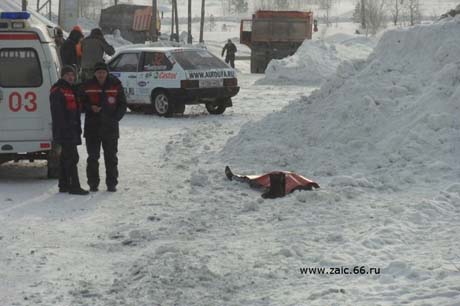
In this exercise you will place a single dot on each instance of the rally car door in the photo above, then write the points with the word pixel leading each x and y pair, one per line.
pixel 125 67
pixel 155 71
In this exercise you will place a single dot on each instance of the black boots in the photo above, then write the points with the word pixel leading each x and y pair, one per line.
pixel 78 191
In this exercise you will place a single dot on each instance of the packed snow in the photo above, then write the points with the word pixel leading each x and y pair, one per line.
pixel 382 136
pixel 392 115
pixel 317 60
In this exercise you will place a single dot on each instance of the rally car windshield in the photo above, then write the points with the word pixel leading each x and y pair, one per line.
pixel 198 60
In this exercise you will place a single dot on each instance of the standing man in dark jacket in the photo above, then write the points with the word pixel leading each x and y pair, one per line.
pixel 69 49
pixel 231 50
pixel 59 40
pixel 65 112
pixel 93 48
pixel 105 105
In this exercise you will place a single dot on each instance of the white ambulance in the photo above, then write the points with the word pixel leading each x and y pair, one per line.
pixel 29 65
pixel 163 80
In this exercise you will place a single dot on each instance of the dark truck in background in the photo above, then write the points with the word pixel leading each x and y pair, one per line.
pixel 133 21
pixel 274 35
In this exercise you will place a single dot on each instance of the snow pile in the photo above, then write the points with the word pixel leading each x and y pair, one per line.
pixel 385 122
pixel 316 60
pixel 116 40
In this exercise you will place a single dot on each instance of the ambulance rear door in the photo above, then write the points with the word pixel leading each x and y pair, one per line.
pixel 25 82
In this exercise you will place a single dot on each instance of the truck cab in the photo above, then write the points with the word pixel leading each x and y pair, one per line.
pixel 29 65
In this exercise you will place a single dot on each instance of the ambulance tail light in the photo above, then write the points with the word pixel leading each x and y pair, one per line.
pixel 45 145
pixel 185 84
pixel 231 82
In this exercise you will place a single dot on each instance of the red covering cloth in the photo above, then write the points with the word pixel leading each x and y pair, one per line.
pixel 292 182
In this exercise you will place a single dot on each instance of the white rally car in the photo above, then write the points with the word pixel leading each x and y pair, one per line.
pixel 29 65
pixel 165 79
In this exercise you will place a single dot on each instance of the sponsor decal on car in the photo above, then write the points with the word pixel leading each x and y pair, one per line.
pixel 115 74
pixel 142 84
pixel 164 75
pixel 211 74
pixel 168 75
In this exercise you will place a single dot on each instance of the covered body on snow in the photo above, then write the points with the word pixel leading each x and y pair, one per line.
pixel 276 183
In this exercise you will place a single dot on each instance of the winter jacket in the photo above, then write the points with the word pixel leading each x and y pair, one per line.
pixel 65 113
pixel 93 48
pixel 69 49
pixel 111 97
pixel 231 50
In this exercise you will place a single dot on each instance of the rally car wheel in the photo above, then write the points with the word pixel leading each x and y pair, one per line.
pixel 162 105
pixel 215 109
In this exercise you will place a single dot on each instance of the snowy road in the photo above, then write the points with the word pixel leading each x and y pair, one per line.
pixel 66 250
pixel 178 233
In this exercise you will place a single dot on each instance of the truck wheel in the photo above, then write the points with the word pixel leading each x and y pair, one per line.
pixel 162 104
pixel 215 109
pixel 53 161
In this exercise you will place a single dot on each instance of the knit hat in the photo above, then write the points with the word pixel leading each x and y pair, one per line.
pixel 96 33
pixel 77 28
pixel 101 66
pixel 67 69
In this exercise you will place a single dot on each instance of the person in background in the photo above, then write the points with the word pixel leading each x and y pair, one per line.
pixel 58 40
pixel 69 55
pixel 105 105
pixel 66 123
pixel 93 48
pixel 231 50
pixel 78 46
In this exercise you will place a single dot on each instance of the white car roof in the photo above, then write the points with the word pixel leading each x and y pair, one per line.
pixel 147 48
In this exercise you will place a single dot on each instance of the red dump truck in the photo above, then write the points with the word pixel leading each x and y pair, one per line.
pixel 274 35
pixel 133 21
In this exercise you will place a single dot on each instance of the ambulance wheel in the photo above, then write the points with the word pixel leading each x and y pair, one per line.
pixel 179 108
pixel 162 104
pixel 215 109
pixel 53 162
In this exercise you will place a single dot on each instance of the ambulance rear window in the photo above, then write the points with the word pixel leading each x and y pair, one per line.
pixel 20 68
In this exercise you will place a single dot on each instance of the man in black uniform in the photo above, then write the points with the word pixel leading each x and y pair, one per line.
pixel 105 105
pixel 65 112
pixel 231 50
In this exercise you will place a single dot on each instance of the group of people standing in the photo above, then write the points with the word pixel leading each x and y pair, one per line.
pixel 84 52
pixel 101 97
